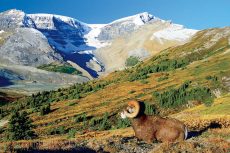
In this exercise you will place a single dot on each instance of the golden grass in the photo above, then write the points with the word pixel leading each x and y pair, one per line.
pixel 61 142
pixel 201 116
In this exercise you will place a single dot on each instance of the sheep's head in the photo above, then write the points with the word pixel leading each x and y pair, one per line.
pixel 132 110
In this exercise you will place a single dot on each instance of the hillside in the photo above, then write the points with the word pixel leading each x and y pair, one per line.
pixel 189 82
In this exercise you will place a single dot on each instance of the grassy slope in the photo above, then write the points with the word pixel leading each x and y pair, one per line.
pixel 212 140
pixel 61 68
pixel 113 97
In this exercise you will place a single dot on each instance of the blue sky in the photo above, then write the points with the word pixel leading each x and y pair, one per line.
pixel 197 14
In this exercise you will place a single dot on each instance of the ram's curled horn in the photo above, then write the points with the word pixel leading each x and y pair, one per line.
pixel 133 109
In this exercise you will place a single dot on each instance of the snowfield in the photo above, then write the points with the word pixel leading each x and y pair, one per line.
pixel 174 32
pixel 91 37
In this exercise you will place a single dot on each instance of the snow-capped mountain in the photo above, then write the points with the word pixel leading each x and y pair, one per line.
pixel 125 25
pixel 87 45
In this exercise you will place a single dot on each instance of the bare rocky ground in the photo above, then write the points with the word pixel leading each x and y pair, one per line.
pixel 124 144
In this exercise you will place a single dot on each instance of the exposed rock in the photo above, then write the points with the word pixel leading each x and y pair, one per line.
pixel 125 25
pixel 27 46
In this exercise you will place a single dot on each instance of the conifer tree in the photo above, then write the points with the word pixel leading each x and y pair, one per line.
pixel 20 126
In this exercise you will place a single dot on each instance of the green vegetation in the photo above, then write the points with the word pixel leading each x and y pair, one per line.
pixel 64 68
pixel 132 61
pixel 122 123
pixel 20 126
pixel 162 66
pixel 212 78
pixel 150 109
pixel 72 132
pixel 58 130
pixel 80 118
pixel 221 108
pixel 40 102
pixel 178 97
pixel 45 109
pixel 105 123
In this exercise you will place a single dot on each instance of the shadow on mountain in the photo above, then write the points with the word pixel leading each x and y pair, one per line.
pixel 67 40
pixel 81 60
pixel 5 82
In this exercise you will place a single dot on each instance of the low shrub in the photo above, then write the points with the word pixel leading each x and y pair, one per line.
pixel 122 123
pixel 178 97
pixel 71 133
pixel 58 130
pixel 62 68
pixel 131 61
pixel 162 66
pixel 45 109
pixel 150 109
pixel 105 123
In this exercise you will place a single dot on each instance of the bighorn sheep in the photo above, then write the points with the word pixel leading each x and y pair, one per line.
pixel 151 128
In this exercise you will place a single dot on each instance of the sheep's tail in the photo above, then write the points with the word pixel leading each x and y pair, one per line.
pixel 185 133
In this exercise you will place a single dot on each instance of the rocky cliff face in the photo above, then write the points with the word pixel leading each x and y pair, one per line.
pixel 27 46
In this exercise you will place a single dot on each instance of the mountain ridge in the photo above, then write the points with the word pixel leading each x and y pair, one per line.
pixel 88 47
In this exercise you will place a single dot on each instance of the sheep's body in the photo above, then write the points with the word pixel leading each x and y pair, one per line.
pixel 151 128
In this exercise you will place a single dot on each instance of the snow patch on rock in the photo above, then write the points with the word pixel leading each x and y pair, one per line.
pixel 92 36
pixel 45 21
pixel 174 32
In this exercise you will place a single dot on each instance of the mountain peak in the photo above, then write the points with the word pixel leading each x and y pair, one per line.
pixel 12 18
pixel 138 19
pixel 143 18
pixel 14 11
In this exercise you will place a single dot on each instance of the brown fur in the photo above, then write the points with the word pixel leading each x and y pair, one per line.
pixel 152 128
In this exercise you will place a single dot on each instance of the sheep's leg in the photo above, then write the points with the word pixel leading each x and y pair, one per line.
pixel 181 136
